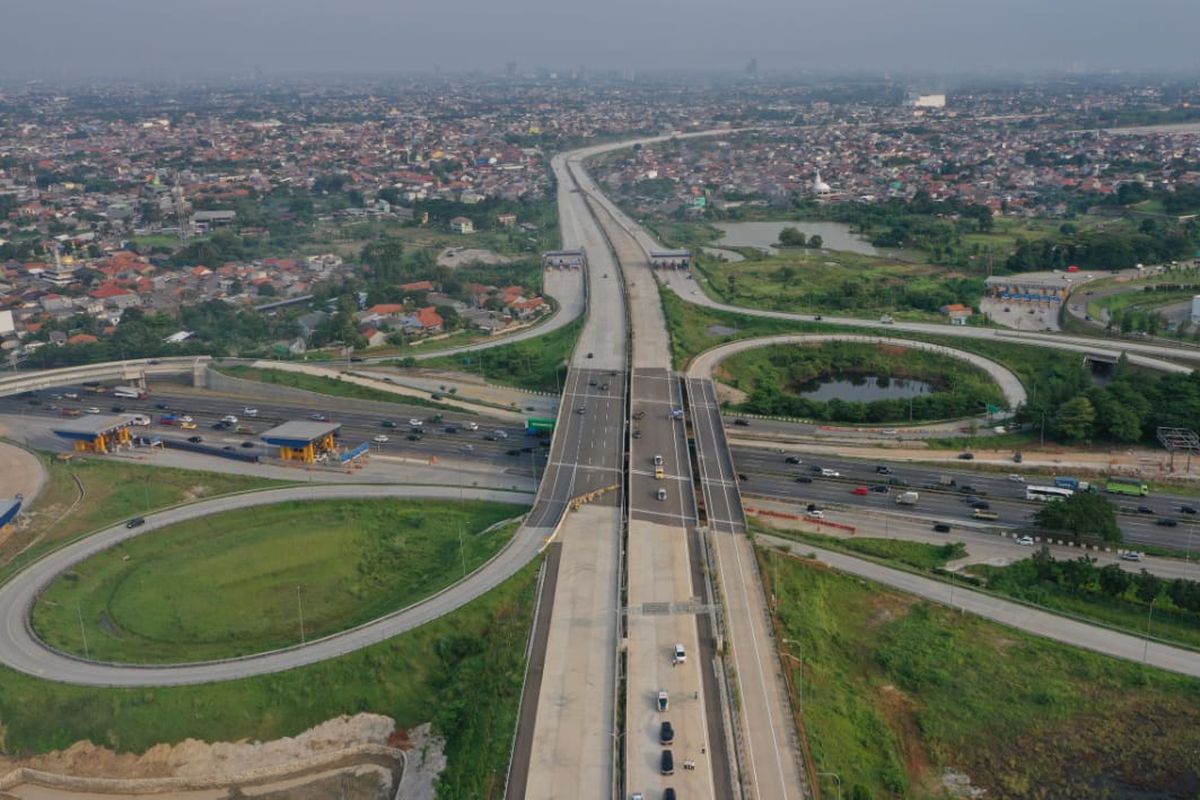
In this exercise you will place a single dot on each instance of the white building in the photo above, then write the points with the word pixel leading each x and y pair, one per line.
pixel 930 101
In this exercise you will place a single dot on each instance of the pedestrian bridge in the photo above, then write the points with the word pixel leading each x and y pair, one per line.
pixel 131 372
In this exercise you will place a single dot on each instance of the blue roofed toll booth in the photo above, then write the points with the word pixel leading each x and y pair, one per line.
pixel 671 259
pixel 303 441
pixel 97 433
pixel 9 509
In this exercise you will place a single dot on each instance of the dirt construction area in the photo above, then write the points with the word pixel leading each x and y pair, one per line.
pixel 346 757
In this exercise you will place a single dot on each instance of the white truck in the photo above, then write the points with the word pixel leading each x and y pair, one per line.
pixel 886 319
pixel 907 498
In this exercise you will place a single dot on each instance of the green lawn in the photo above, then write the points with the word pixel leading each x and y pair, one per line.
pixel 237 583
pixel 112 491
pixel 897 691
pixel 538 364
pixel 323 385
pixel 463 671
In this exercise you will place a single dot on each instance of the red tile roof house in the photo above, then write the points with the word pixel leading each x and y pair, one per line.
pixel 82 338
pixel 431 321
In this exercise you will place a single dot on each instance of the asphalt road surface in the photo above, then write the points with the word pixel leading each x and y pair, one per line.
pixel 767 473
pixel 22 651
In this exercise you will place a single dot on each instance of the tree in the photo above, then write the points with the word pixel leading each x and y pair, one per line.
pixel 1114 581
pixel 1078 573
pixel 816 242
pixel 1147 586
pixel 1075 418
pixel 791 237
pixel 1081 514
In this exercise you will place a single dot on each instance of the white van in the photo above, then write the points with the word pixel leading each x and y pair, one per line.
pixel 830 473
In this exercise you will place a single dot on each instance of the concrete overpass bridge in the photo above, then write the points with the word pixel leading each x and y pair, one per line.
pixel 131 372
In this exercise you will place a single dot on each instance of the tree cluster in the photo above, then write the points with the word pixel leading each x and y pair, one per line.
pixel 1083 515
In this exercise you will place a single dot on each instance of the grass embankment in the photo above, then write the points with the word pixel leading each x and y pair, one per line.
pixel 1135 301
pixel 112 491
pixel 186 593
pixel 898 692
pixel 539 364
pixel 914 554
pixel 776 377
pixel 463 671
pixel 322 385
pixel 695 329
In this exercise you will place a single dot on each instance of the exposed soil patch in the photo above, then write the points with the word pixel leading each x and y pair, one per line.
pixel 901 713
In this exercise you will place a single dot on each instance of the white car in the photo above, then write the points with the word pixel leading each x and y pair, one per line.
pixel 471 426
pixel 381 438
pixel 415 423
pixel 230 418
pixel 250 412
pixel 93 410
pixel 1015 478
pixel 815 513
pixel 830 473
pixel 1025 540
pixel 1131 555
pixel 680 653
pixel 186 418
pixel 889 431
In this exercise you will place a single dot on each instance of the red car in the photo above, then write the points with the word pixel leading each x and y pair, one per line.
pixel 860 490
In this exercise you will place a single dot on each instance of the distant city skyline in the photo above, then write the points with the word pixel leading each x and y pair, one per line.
pixel 76 39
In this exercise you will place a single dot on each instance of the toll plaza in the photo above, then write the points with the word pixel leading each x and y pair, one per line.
pixel 671 259
pixel 302 440
pixel 564 259
pixel 97 433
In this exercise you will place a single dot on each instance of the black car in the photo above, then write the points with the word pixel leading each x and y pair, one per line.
pixel 1145 510
pixel 815 469
pixel 666 734
pixel 1166 522
pixel 667 763
pixel 195 439
pixel 161 406
pixel 880 488
pixel 792 460
pixel 229 447
pixel 742 477
pixel 1188 509
pixel 135 522
pixel 592 382
pixel 513 452
pixel 883 469
pixel 668 793
pixel 742 423
pixel 387 423
pixel 247 444
pixel 118 409
pixel 966 456
pixel 941 527
pixel 589 355
pixel 450 429
pixel 982 505
pixel 414 437
pixel 803 479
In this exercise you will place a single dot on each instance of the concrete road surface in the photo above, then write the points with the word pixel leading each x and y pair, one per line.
pixel 1040 623
pixel 22 651
pixel 573 735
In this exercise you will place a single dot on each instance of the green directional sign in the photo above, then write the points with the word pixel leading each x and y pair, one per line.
pixel 993 409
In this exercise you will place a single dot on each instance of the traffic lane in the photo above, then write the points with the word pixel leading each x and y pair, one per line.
pixel 661 439
pixel 724 511
pixel 940 506
pixel 921 476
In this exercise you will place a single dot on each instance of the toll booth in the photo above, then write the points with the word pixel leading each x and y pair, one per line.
pixel 97 433
pixel 671 259
pixel 564 259
pixel 302 440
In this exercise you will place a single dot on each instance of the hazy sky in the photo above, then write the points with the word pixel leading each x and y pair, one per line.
pixel 174 38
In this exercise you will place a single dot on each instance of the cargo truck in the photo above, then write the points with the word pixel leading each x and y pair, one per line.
pixel 907 498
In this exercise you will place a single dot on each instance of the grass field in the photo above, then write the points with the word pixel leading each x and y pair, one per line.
pixel 322 385
pixel 112 491
pixel 237 583
pixel 463 672
pixel 1136 300
pixel 896 693
pixel 539 364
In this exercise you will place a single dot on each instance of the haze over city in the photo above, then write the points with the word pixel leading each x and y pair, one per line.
pixel 212 38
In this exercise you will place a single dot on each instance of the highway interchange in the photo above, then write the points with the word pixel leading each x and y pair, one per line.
pixel 635 556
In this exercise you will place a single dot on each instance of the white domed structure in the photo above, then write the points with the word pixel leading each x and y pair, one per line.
pixel 819 186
